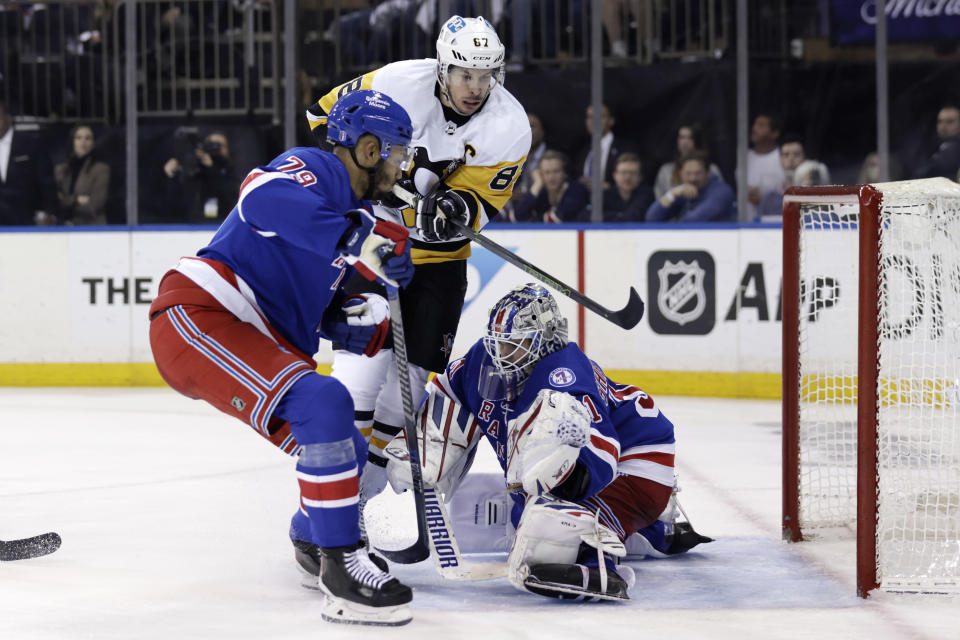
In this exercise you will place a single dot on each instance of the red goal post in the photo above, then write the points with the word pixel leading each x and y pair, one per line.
pixel 871 377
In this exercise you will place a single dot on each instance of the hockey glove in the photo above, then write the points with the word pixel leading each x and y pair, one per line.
pixel 360 323
pixel 436 212
pixel 377 248
pixel 544 442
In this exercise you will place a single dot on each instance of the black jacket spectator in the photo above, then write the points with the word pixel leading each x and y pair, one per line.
pixel 202 188
pixel 627 199
pixel 28 184
pixel 552 196
pixel 945 161
pixel 616 209
pixel 572 206
pixel 613 144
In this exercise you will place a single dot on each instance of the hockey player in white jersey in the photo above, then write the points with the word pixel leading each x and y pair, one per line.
pixel 589 462
pixel 471 137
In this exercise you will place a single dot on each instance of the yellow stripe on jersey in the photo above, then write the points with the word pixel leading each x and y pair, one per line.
pixel 494 184
pixel 423 256
pixel 326 103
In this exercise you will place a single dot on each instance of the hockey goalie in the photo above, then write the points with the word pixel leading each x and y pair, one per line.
pixel 588 463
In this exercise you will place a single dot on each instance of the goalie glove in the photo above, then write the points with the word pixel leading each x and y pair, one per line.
pixel 360 323
pixel 544 442
pixel 435 213
pixel 377 248
pixel 447 434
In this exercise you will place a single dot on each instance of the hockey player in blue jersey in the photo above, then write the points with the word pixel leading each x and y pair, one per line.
pixel 589 461
pixel 237 326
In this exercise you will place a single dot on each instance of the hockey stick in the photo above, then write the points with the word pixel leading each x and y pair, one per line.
pixel 434 532
pixel 27 548
pixel 446 551
pixel 419 550
pixel 628 317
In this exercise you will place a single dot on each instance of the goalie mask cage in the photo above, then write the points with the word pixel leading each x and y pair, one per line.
pixel 871 377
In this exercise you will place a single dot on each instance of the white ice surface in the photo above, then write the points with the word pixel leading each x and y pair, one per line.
pixel 174 522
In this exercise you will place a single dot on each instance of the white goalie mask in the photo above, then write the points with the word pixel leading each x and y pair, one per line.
pixel 471 43
pixel 525 326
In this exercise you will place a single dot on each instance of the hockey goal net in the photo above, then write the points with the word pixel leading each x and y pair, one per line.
pixel 871 377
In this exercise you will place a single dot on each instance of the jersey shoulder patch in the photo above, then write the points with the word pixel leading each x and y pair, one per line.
pixel 562 377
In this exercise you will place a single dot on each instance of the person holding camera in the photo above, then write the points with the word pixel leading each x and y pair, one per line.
pixel 201 181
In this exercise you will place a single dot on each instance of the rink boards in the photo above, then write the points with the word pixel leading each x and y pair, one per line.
pixel 76 301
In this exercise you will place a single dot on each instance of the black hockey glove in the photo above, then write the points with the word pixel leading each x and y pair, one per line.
pixel 436 212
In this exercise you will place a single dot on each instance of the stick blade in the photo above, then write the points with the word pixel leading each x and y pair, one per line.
pixel 417 552
pixel 475 571
pixel 630 315
pixel 44 544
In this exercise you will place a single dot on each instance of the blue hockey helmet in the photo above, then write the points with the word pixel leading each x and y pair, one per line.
pixel 364 111
pixel 525 325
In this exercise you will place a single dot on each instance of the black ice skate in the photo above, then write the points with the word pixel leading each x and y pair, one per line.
pixel 308 560
pixel 358 591
pixel 574 582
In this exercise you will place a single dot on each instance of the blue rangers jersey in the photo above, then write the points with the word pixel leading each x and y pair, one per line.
pixel 281 239
pixel 629 436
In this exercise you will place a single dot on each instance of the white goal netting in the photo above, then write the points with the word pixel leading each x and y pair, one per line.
pixel 918 389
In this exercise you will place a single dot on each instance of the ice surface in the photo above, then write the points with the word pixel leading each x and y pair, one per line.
pixel 174 522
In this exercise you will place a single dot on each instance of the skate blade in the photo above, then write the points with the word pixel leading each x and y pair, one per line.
pixel 566 588
pixel 308 580
pixel 343 611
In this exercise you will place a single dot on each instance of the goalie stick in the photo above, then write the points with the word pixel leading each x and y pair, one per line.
pixel 26 548
pixel 420 549
pixel 446 551
pixel 437 536
pixel 627 317
pixel 434 531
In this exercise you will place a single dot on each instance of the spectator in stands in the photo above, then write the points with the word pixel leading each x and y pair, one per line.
pixel 618 15
pixel 537 147
pixel 945 161
pixel 792 157
pixel 701 197
pixel 553 197
pixel 764 173
pixel 689 138
pixel 522 186
pixel 82 181
pixel 203 183
pixel 870 169
pixel 628 199
pixel 610 147
pixel 26 179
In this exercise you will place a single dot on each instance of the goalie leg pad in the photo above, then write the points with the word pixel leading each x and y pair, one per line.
pixel 480 514
pixel 551 532
pixel 448 435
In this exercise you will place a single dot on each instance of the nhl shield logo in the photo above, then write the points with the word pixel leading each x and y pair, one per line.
pixel 681 297
pixel 238 404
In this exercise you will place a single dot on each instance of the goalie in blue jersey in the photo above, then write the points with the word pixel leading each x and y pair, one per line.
pixel 589 463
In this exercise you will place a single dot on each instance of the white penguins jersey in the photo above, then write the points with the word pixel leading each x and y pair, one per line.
pixel 479 156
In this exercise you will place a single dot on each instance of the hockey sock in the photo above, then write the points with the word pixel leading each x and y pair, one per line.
pixel 329 492
pixel 364 423
pixel 383 434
